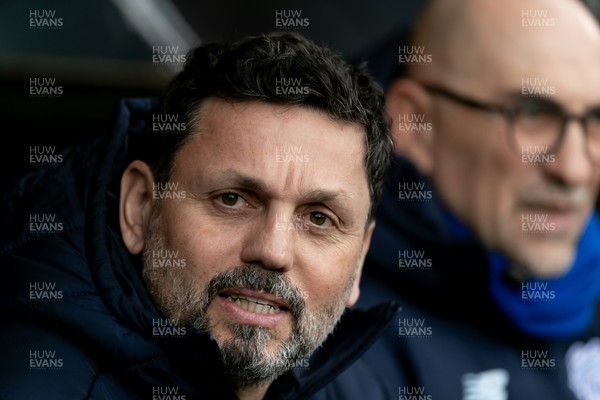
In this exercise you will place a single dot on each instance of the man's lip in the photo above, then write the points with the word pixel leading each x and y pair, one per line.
pixel 235 312
pixel 560 213
pixel 556 207
pixel 561 217
pixel 268 298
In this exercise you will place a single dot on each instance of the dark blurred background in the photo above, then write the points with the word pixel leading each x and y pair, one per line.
pixel 101 51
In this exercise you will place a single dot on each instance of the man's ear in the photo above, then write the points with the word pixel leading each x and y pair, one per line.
pixel 135 204
pixel 409 106
pixel 365 248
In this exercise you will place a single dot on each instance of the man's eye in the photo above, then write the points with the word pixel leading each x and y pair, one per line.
pixel 535 109
pixel 318 218
pixel 595 115
pixel 231 199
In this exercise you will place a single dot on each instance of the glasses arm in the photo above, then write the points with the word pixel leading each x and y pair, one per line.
pixel 469 102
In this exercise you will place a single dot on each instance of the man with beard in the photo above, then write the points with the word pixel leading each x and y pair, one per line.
pixel 487 234
pixel 206 245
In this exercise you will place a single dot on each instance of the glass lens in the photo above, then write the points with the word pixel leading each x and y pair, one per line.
pixel 593 133
pixel 537 126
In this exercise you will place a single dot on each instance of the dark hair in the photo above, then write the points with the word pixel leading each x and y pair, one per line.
pixel 249 69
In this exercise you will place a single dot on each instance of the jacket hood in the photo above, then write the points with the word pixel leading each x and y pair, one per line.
pixel 415 247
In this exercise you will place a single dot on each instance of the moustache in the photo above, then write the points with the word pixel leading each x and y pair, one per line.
pixel 554 197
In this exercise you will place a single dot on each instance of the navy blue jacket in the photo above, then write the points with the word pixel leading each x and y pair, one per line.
pixel 451 341
pixel 77 319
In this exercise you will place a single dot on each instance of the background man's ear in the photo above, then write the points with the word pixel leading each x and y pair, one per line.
pixel 409 106
pixel 365 248
pixel 135 204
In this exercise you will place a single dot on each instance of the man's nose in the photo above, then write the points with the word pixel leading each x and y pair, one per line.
pixel 270 243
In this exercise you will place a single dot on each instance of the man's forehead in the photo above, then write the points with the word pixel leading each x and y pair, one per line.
pixel 221 112
pixel 266 127
pixel 257 150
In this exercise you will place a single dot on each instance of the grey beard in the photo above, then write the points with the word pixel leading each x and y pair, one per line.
pixel 246 359
pixel 246 363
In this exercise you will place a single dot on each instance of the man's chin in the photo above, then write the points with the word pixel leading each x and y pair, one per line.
pixel 252 356
pixel 229 333
pixel 545 259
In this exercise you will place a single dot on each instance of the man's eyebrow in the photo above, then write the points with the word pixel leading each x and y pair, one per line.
pixel 325 196
pixel 518 97
pixel 257 185
pixel 243 180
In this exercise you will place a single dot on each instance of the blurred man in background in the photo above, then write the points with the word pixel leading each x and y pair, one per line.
pixel 487 233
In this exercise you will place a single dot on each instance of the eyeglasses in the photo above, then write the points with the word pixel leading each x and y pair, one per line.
pixel 537 125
